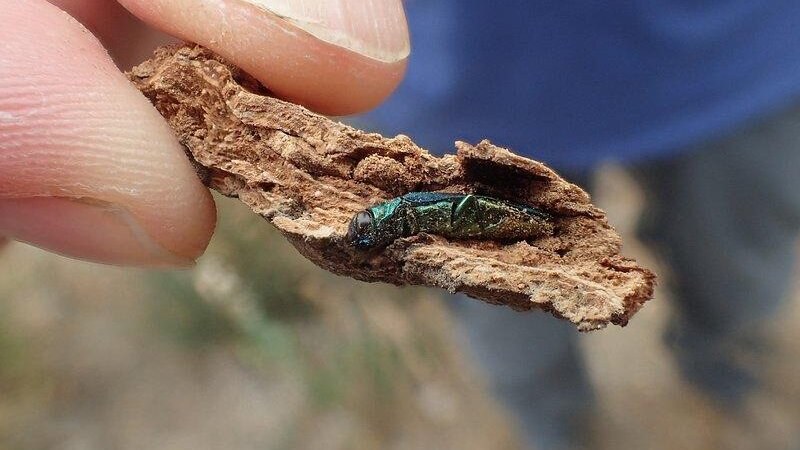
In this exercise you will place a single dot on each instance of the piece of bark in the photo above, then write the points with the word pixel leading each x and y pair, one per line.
pixel 308 175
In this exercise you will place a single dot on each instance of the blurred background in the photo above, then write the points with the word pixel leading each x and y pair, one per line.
pixel 256 348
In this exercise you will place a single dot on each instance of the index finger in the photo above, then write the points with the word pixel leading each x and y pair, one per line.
pixel 336 57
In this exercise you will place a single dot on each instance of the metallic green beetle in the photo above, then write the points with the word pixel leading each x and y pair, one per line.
pixel 454 216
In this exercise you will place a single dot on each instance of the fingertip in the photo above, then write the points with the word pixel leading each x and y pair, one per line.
pixel 74 133
pixel 92 230
pixel 334 57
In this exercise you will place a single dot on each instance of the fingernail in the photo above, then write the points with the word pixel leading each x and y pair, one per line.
pixel 373 28
pixel 85 229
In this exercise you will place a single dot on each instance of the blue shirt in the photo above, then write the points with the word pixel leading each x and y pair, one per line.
pixel 576 82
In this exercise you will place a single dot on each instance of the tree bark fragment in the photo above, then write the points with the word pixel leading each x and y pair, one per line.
pixel 308 175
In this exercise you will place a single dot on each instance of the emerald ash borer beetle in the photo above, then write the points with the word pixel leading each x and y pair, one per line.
pixel 454 216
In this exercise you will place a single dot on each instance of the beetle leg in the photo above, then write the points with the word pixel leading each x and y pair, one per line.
pixel 409 222
pixel 463 209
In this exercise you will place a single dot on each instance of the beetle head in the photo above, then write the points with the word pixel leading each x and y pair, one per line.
pixel 361 232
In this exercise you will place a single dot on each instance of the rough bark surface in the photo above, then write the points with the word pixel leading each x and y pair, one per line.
pixel 308 175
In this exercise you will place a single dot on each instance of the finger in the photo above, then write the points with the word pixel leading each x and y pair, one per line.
pixel 127 39
pixel 337 57
pixel 87 166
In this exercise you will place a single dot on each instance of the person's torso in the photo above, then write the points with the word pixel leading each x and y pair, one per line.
pixel 575 82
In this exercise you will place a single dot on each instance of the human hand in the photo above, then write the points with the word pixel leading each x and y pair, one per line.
pixel 89 169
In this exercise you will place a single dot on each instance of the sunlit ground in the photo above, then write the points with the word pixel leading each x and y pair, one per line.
pixel 258 349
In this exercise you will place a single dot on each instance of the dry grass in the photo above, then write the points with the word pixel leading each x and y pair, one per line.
pixel 254 349
pixel 258 349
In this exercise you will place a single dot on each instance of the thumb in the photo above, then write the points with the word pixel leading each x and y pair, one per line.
pixel 334 56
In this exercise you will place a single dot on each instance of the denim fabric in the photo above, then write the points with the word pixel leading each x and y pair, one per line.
pixel 575 82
